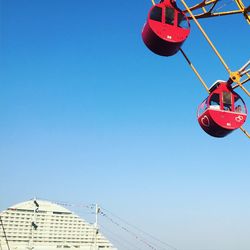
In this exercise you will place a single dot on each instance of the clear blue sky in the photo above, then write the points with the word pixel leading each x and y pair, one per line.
pixel 88 114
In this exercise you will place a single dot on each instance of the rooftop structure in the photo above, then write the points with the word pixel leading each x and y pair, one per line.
pixel 41 225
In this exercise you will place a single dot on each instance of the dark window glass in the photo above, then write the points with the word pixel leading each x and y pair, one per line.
pixel 239 106
pixel 227 100
pixel 156 14
pixel 169 16
pixel 182 21
pixel 214 102
pixel 215 99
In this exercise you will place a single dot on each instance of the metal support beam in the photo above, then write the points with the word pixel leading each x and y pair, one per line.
pixel 206 37
pixel 243 10
pixel 195 71
pixel 245 132
pixel 236 76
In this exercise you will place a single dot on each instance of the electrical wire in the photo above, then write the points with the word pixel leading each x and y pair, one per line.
pixel 120 239
pixel 139 238
pixel 129 232
pixel 151 236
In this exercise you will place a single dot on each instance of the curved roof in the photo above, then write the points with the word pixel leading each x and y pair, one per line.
pixel 47 224
pixel 43 206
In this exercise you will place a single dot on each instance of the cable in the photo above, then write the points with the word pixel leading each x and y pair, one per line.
pixel 121 240
pixel 156 239
pixel 128 231
pixel 139 237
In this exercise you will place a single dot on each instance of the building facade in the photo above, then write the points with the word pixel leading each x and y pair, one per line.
pixel 41 225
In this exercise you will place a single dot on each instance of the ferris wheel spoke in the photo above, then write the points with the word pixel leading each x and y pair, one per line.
pixel 206 37
pixel 243 70
pixel 236 76
pixel 245 132
pixel 222 100
pixel 239 84
pixel 195 70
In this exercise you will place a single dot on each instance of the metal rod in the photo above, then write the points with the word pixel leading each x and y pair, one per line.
pixel 216 14
pixel 202 4
pixel 195 71
pixel 241 72
pixel 207 38
pixel 244 10
pixel 245 72
pixel 97 209
pixel 239 84
pixel 243 68
pixel 245 132
pixel 243 82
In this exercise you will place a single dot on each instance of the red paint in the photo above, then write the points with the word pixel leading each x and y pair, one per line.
pixel 164 32
pixel 223 111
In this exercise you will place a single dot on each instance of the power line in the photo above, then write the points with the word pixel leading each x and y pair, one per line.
pixel 137 237
pixel 120 239
pixel 151 236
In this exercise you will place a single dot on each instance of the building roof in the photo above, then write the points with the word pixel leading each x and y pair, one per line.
pixel 43 205
pixel 38 224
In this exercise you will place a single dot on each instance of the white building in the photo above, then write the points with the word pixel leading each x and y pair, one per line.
pixel 41 225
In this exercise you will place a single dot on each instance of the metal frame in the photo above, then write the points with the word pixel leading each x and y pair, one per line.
pixel 212 3
pixel 234 76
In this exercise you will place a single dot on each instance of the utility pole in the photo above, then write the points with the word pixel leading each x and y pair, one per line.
pixel 33 224
pixel 5 236
pixel 97 210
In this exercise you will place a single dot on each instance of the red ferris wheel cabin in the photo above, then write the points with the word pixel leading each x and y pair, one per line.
pixel 166 29
pixel 222 111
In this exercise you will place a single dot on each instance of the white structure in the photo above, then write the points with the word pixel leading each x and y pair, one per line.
pixel 42 225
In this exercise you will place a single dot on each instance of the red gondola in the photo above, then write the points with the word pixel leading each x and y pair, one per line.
pixel 166 29
pixel 223 111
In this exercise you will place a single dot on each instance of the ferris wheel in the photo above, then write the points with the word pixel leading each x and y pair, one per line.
pixel 166 29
